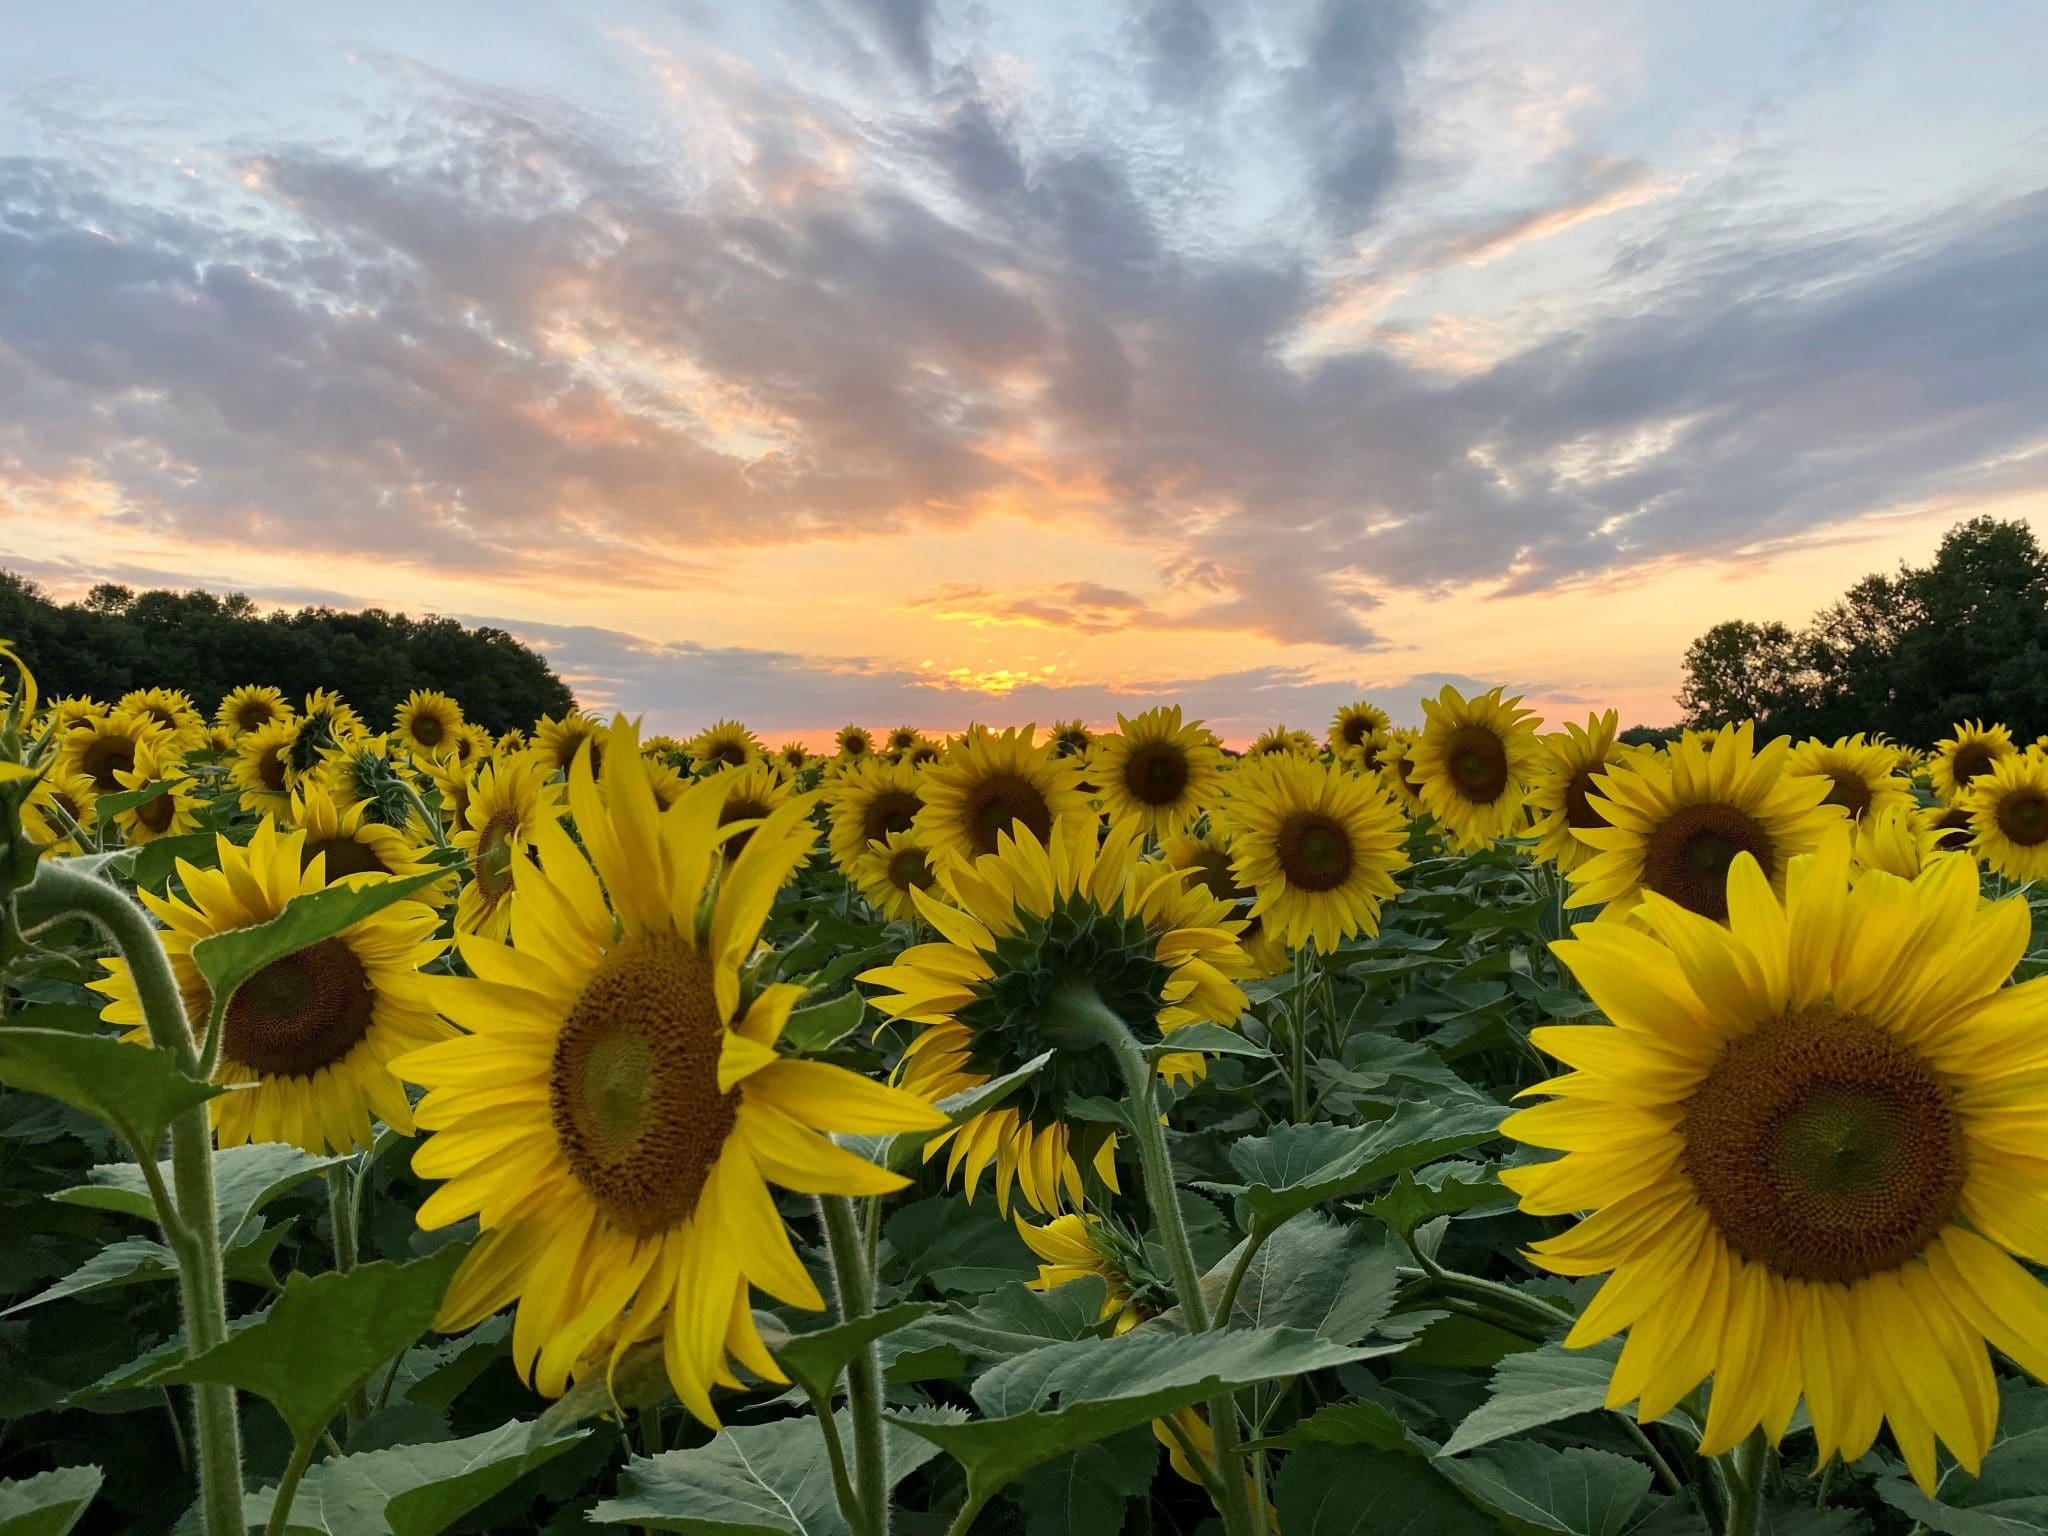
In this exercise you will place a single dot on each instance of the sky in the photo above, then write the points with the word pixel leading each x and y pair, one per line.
pixel 952 360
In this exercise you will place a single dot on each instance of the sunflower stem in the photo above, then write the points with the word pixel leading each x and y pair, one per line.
pixel 288 1487
pixel 342 1212
pixel 193 1227
pixel 854 1280
pixel 1745 1466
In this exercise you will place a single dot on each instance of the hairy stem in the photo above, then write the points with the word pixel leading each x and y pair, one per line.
pixel 854 1280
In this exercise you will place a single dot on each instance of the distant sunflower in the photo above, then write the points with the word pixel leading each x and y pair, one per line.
pixel 1025 930
pixel 75 714
pixel 1205 852
pixel 1472 763
pixel 560 742
pixel 510 740
pixel 2008 806
pixel 427 722
pixel 901 739
pixel 506 802
pixel 1282 741
pixel 451 782
pixel 854 743
pixel 1157 771
pixel 753 793
pixel 618 1116
pixel 1677 821
pixel 313 1032
pixel 262 769
pixel 1071 738
pixel 666 780
pixel 794 757
pixel 1318 846
pixel 1353 726
pixel 1809 1143
pixel 220 741
pixel 329 721
pixel 59 811
pixel 1561 786
pixel 171 708
pixel 992 782
pixel 102 749
pixel 888 870
pixel 1951 827
pixel 353 848
pixel 726 744
pixel 867 803
pixel 923 752
pixel 173 811
pixel 1859 773
pixel 472 744
pixel 250 708
pixel 1895 840
pixel 664 749
pixel 1974 749
pixel 1397 771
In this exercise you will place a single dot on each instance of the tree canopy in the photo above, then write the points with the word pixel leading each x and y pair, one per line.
pixel 1962 638
pixel 116 639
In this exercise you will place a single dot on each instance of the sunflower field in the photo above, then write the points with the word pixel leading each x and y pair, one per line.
pixel 1445 1132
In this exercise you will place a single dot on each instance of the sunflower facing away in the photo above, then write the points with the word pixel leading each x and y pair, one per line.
pixel 618 1113
pixel 1071 738
pixel 1318 846
pixel 560 742
pixel 991 782
pixel 1023 926
pixel 506 801
pixel 1860 774
pixel 867 802
pixel 1974 749
pixel 1471 763
pixel 1809 1143
pixel 1677 821
pixel 1156 771
pixel 250 708
pixel 1561 787
pixel 1355 725
pixel 2008 806
pixel 888 870
pixel 315 1032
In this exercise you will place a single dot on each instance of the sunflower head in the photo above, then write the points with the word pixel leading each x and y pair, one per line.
pixel 888 873
pixel 2008 810
pixel 250 708
pixel 1357 725
pixel 901 739
pixel 59 810
pixel 1281 741
pixel 1071 738
pixel 723 744
pixel 752 794
pixel 512 740
pixel 101 749
pixel 561 742
pixel 1971 751
pixel 72 714
pixel 504 803
pixel 867 802
pixel 1319 847
pixel 174 809
pixel 1397 771
pixel 171 708
pixel 1157 771
pixel 794 757
pixel 1860 774
pixel 991 782
pixel 1896 840
pixel 429 723
pixel 328 721
pixel 1951 828
pixel 352 848
pixel 854 741
pixel 1561 788
pixel 1472 763
pixel 1081 1245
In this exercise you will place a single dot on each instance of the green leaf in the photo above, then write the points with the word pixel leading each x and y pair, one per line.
pixel 818 1026
pixel 1013 1321
pixel 107 807
pixel 2009 1496
pixel 1300 1166
pixel 1536 1491
pixel 1084 1494
pixel 157 861
pixel 752 1480
pixel 1057 1399
pixel 137 1090
pixel 1316 1274
pixel 128 1262
pixel 246 1178
pixel 409 1490
pixel 1538 1386
pixel 1358 1422
pixel 1441 1189
pixel 323 1337
pixel 814 1360
pixel 1347 1490
pixel 1209 1039
pixel 49 1503
pixel 228 959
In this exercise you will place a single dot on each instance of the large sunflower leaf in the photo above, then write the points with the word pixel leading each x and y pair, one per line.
pixel 1350 1490
pixel 409 1490
pixel 2009 1496
pixel 1296 1167
pixel 1536 1491
pixel 228 959
pixel 49 1503
pixel 131 1261
pixel 137 1090
pixel 1057 1399
pixel 246 1178
pixel 1312 1274
pixel 814 1360
pixel 1539 1386
pixel 1010 1322
pixel 323 1337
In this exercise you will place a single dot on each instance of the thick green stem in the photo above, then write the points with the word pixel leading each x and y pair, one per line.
pixel 854 1280
pixel 342 1207
pixel 288 1488
pixel 195 1230
pixel 1746 1484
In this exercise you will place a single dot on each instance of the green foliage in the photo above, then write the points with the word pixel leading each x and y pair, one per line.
pixel 48 1504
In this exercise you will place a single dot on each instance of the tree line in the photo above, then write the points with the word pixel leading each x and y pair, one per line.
pixel 116 639
pixel 1962 638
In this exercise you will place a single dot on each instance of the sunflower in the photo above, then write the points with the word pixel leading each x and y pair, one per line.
pixel 1280 741
pixel 1397 771
pixel 473 744
pixel 1026 927
pixel 923 753
pixel 1355 725
pixel 451 782
pixel 560 742
pixel 794 757
pixel 1472 763
pixel 101 749
pixel 1859 773
pixel 1560 787
pixel 1896 841
pixel 619 1112
pixel 990 782
pixel 314 1032
pixel 1205 852
pixel 171 708
pixel 752 794
pixel 854 742
pixel 1809 1143
pixel 664 749
pixel 667 782
pixel 1071 738
pixel 250 708
pixel 1678 820
pixel 174 811
pixel 329 721
pixel 505 801
pixel 2008 806
pixel 354 848
pixel 1950 826
pixel 900 740
pixel 60 811
pixel 888 870
pixel 868 802
pixel 724 744
pixel 1318 846
pixel 1972 750
pixel 261 770
pixel 427 722
pixel 75 713
pixel 511 740
pixel 1156 771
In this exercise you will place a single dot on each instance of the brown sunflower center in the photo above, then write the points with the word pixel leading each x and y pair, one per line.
pixel 1477 763
pixel 1001 801
pixel 158 814
pixel 254 714
pixel 1953 829
pixel 428 730
pixel 493 862
pixel 1851 791
pixel 741 808
pixel 1971 759
pixel 104 758
pixel 1314 851
pixel 910 870
pixel 1355 729
pixel 1212 869
pixel 2023 818
pixel 854 746
pixel 892 810
pixel 270 768
pixel 1688 855
pixel 731 753
pixel 1579 810
pixel 634 1086
pixel 301 1013
pixel 345 856
pixel 1156 772
pixel 1824 1148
